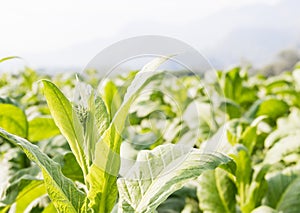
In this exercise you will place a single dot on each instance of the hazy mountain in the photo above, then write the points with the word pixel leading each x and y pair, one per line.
pixel 254 33
pixel 260 32
pixel 255 45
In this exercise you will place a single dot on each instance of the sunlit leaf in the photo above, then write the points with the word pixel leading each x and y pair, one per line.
pixel 216 192
pixel 13 119
pixel 66 120
pixel 62 191
pixel 160 172
pixel 46 124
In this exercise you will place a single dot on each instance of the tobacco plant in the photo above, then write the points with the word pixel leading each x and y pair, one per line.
pixel 87 178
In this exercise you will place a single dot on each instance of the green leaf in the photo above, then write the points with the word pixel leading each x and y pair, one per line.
pixel 8 58
pixel 67 121
pixel 97 122
pixel 243 173
pixel 103 173
pixel 180 200
pixel 23 188
pixel 250 181
pixel 289 199
pixel 101 116
pixel 277 85
pixel 70 167
pixel 8 100
pixel 46 124
pixel 249 138
pixel 141 79
pixel 232 109
pixel 172 205
pixel 232 84
pixel 13 120
pixel 160 172
pixel 61 190
pixel 216 192
pixel 111 98
pixel 272 108
pixel 251 112
pixel 32 191
pixel 278 186
pixel 257 188
pixel 289 202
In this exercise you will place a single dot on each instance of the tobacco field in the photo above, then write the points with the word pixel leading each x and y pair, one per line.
pixel 226 144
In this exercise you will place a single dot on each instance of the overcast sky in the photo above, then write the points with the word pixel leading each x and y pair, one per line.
pixel 34 26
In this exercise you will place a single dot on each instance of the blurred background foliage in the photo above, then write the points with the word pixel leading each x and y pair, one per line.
pixel 258 115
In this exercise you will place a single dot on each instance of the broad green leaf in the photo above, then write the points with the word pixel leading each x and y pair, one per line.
pixel 279 185
pixel 216 192
pixel 248 96
pixel 160 172
pixel 13 120
pixel 272 108
pixel 61 190
pixel 46 124
pixel 289 200
pixel 103 173
pixel 70 167
pixel 67 121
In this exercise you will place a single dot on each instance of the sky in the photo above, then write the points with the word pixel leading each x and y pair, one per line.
pixel 45 33
pixel 34 26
